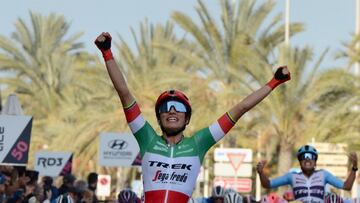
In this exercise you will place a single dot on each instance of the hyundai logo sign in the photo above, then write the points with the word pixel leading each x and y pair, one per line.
pixel 118 144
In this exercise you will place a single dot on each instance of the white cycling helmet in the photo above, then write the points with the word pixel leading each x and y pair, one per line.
pixel 233 197
pixel 218 191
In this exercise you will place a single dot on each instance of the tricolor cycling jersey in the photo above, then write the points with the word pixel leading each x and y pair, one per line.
pixel 308 189
pixel 170 171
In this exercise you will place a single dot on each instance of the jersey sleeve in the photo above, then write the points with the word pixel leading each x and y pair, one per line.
pixel 207 137
pixel 332 180
pixel 280 181
pixel 142 130
pixel 222 126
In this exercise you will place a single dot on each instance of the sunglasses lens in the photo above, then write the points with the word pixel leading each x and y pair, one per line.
pixel 166 107
pixel 308 156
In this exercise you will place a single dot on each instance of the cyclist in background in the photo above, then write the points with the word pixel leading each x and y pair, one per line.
pixel 128 196
pixel 233 197
pixel 309 184
pixel 217 194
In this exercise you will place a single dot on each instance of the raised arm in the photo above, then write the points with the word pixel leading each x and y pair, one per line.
pixel 103 42
pixel 265 181
pixel 281 75
pixel 351 178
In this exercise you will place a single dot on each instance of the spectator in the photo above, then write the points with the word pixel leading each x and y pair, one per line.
pixel 92 183
pixel 81 186
pixel 39 195
pixel 87 196
pixel 68 182
pixel 17 197
pixel 2 188
pixel 47 182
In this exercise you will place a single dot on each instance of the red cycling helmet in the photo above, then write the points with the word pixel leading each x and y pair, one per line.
pixel 173 95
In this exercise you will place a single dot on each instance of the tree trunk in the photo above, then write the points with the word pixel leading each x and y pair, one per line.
pixel 285 159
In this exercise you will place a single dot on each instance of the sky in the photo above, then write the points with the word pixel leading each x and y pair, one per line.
pixel 328 23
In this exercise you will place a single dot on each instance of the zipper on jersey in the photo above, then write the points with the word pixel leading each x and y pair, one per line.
pixel 308 184
pixel 171 156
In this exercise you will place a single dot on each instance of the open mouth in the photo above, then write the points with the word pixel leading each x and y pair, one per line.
pixel 172 119
pixel 308 163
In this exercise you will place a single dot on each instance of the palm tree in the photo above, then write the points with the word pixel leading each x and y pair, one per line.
pixel 351 51
pixel 43 64
pixel 241 57
pixel 227 53
pixel 239 38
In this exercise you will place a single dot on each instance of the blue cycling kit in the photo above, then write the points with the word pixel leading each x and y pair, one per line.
pixel 308 189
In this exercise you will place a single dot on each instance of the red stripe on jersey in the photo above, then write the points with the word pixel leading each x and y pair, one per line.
pixel 160 195
pixel 132 112
pixel 178 197
pixel 225 123
pixel 155 196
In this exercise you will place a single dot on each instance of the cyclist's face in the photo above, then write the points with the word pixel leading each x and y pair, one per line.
pixel 173 120
pixel 307 164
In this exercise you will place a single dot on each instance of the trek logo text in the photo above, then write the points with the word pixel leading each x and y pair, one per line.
pixel 172 166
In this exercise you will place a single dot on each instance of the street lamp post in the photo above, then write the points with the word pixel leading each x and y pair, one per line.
pixel 287 22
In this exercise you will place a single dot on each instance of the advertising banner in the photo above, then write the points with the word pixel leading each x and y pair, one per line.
pixel 118 149
pixel 53 163
pixel 15 132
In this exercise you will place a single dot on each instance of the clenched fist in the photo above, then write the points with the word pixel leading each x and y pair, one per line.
pixel 260 166
pixel 103 42
pixel 281 75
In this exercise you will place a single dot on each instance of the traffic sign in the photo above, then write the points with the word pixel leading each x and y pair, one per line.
pixel 221 154
pixel 225 169
pixel 239 184
pixel 103 185
pixel 236 159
